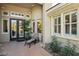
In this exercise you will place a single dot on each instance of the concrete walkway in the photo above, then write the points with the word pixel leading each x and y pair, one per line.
pixel 18 49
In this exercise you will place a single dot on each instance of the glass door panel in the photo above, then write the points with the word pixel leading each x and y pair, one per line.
pixel 16 30
pixel 21 31
pixel 13 28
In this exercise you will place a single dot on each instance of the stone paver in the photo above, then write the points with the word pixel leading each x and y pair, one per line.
pixel 18 49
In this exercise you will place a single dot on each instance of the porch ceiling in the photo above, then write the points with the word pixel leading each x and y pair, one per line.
pixel 25 5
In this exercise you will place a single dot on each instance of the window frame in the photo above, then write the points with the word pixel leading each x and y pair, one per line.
pixel 7 26
pixel 66 24
pixel 74 22
pixel 57 25
pixel 70 30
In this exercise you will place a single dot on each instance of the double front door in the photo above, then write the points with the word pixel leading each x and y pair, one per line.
pixel 17 30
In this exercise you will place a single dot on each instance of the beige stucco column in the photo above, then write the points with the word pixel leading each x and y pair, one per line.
pixel 78 23
pixel 35 25
pixel 44 17
pixel 46 25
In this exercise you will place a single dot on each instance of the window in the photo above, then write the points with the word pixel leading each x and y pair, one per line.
pixel 5 26
pixel 74 17
pixel 67 19
pixel 12 13
pixel 55 30
pixel 22 15
pixel 57 25
pixel 16 14
pixel 5 13
pixel 67 28
pixel 33 26
pixel 71 23
pixel 27 16
pixel 74 29
pixel 67 24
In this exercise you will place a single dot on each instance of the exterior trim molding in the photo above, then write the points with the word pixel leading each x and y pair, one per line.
pixel 58 6
pixel 53 6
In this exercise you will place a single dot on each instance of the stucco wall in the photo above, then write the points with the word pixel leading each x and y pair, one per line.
pixel 36 15
pixel 37 12
pixel 46 24
pixel 65 41
pixel 47 34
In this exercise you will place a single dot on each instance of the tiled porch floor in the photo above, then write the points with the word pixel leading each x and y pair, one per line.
pixel 18 49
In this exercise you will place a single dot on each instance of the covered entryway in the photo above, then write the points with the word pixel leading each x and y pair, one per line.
pixel 16 30
pixel 14 14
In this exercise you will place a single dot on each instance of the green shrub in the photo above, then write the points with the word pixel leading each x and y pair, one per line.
pixel 55 45
pixel 68 50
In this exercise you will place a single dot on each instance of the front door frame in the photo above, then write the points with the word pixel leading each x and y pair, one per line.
pixel 17 20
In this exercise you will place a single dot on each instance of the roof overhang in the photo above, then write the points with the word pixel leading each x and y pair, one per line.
pixel 55 8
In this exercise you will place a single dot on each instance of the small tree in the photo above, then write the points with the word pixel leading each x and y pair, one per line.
pixel 27 29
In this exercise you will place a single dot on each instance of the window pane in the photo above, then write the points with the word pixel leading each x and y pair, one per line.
pixel 74 17
pixel 67 28
pixel 55 21
pixel 67 20
pixel 5 29
pixel 55 29
pixel 59 20
pixel 33 26
pixel 59 28
pixel 5 13
pixel 74 29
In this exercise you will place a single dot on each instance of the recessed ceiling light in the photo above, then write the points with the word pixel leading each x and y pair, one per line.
pixel 32 5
